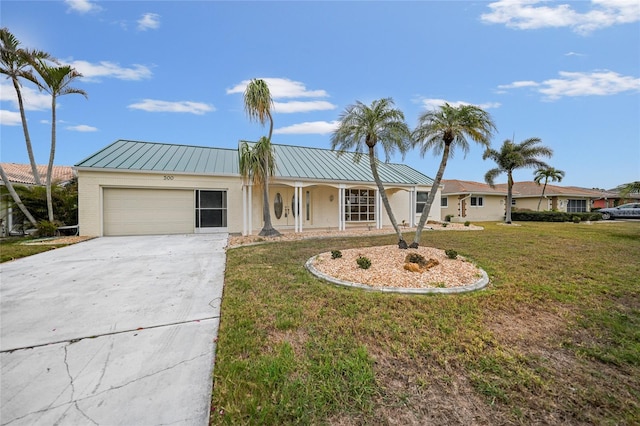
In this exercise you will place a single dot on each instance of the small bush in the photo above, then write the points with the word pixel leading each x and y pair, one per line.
pixel 336 254
pixel 576 219
pixel 451 254
pixel 448 217
pixel 363 262
pixel 416 258
pixel 467 223
pixel 445 224
pixel 46 228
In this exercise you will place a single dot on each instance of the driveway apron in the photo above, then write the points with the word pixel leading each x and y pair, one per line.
pixel 111 331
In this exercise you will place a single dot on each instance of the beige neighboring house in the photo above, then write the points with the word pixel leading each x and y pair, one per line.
pixel 138 188
pixel 472 201
pixel 557 198
pixel 21 174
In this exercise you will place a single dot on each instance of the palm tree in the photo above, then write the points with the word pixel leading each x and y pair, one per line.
pixel 362 127
pixel 552 173
pixel 443 130
pixel 16 197
pixel 15 63
pixel 630 188
pixel 56 82
pixel 515 156
pixel 257 104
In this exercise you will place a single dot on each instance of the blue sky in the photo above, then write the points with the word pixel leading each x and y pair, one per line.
pixel 175 71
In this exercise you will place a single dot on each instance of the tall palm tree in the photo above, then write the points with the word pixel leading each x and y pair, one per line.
pixel 443 130
pixel 514 156
pixel 257 104
pixel 361 127
pixel 552 173
pixel 16 197
pixel 57 82
pixel 629 188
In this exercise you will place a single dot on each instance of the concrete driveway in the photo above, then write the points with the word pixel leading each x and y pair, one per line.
pixel 111 331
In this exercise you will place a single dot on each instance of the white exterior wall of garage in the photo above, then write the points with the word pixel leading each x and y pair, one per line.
pixel 115 203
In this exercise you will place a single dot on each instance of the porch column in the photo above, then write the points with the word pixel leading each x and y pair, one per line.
pixel 341 223
pixel 378 210
pixel 413 194
pixel 250 210
pixel 244 210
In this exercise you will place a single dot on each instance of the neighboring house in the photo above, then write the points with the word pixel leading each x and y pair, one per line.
pixel 137 188
pixel 472 201
pixel 559 198
pixel 21 174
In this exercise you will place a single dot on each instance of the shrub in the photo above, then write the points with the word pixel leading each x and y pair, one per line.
pixel 46 228
pixel 363 262
pixel 444 225
pixel 451 254
pixel 448 217
pixel 553 216
pixel 576 219
pixel 335 254
pixel 467 223
pixel 416 258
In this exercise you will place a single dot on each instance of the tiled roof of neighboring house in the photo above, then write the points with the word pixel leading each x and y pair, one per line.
pixel 532 189
pixel 22 173
pixel 292 162
pixel 454 187
pixel 161 157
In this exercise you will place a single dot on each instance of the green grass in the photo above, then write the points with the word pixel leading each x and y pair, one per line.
pixel 553 339
pixel 12 248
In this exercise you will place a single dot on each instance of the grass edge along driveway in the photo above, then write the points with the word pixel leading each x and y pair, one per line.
pixel 553 340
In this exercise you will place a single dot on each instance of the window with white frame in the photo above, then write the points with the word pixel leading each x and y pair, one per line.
pixel 359 205
pixel 211 209
pixel 444 202
pixel 476 202
pixel 576 206
pixel 421 200
pixel 513 201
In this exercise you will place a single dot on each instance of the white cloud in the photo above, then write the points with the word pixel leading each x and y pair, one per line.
pixel 82 128
pixel 597 83
pixel 574 54
pixel 519 84
pixel 9 118
pixel 82 6
pixel 310 127
pixel 528 15
pixel 300 106
pixel 93 72
pixel 33 100
pixel 149 21
pixel 153 105
pixel 282 88
pixel 436 103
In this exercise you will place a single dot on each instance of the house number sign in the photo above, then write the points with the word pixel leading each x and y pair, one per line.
pixel 168 177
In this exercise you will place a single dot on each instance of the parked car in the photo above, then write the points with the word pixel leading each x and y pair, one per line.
pixel 629 210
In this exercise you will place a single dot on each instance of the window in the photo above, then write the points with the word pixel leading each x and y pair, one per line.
pixel 513 201
pixel 444 202
pixel 477 201
pixel 278 205
pixel 359 205
pixel 421 200
pixel 211 209
pixel 576 206
pixel 308 205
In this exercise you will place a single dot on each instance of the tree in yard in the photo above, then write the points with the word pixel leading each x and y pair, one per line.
pixel 16 198
pixel 546 174
pixel 630 188
pixel 361 127
pixel 443 130
pixel 56 80
pixel 514 156
pixel 257 105
pixel 15 63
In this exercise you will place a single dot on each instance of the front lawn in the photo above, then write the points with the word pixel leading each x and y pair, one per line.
pixel 554 339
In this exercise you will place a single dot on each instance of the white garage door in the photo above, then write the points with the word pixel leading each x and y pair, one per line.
pixel 148 211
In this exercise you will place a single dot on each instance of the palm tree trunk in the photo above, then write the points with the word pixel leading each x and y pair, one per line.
pixel 507 218
pixel 267 230
pixel 542 195
pixel 51 157
pixel 25 129
pixel 16 197
pixel 432 195
pixel 374 170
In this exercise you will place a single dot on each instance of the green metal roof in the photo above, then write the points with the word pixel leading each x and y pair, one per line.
pixel 159 157
pixel 292 162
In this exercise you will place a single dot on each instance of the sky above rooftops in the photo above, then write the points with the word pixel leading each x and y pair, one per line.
pixel 175 71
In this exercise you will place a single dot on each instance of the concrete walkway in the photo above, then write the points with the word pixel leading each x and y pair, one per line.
pixel 111 331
